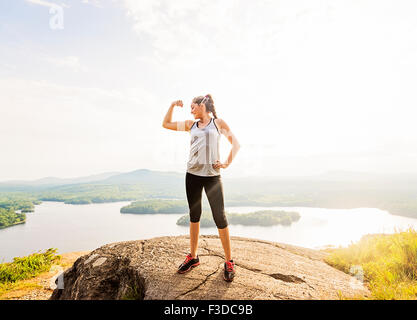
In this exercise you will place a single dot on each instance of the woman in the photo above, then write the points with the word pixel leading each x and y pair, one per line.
pixel 203 172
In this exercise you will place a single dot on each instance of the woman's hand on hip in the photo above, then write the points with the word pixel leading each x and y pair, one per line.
pixel 218 165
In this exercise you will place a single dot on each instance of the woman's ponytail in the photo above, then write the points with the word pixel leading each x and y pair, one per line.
pixel 210 105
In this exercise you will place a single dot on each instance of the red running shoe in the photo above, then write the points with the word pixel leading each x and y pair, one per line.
pixel 188 263
pixel 229 270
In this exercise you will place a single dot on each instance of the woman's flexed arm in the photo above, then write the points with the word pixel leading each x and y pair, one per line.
pixel 176 125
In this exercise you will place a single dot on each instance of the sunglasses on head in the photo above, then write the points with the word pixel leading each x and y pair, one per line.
pixel 204 99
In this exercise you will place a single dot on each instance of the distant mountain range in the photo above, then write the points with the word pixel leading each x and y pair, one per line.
pixel 144 177
pixel 54 181
pixel 154 178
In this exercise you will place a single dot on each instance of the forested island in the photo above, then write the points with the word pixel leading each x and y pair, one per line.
pixel 9 206
pixel 257 218
pixel 156 206
pixel 9 218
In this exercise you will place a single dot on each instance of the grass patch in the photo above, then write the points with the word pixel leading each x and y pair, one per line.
pixel 27 267
pixel 388 261
pixel 15 286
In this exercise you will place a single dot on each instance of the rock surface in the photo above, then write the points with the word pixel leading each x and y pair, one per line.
pixel 147 269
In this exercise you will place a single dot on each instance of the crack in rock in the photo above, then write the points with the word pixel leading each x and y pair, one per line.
pixel 211 253
pixel 200 284
pixel 286 277
pixel 250 269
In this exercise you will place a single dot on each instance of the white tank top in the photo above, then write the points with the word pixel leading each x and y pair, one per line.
pixel 204 149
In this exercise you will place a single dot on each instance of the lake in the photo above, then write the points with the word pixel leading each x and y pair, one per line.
pixel 85 227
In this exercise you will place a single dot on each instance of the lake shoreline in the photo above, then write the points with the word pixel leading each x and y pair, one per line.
pixel 13 224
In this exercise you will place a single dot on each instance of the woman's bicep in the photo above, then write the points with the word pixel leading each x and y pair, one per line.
pixel 179 125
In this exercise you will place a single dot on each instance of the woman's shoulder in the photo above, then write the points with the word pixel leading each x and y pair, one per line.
pixel 189 124
pixel 221 124
pixel 218 122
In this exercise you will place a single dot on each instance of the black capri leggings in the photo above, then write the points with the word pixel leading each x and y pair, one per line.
pixel 214 190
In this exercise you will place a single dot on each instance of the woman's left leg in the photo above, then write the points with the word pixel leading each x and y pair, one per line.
pixel 225 239
pixel 214 191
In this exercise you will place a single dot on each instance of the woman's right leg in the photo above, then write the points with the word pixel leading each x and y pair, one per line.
pixel 194 190
pixel 194 231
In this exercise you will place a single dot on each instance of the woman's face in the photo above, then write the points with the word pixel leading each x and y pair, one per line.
pixel 197 110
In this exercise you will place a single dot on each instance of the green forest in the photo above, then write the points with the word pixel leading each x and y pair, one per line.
pixel 9 218
pixel 156 206
pixel 12 203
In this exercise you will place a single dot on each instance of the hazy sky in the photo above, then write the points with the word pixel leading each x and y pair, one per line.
pixel 306 86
